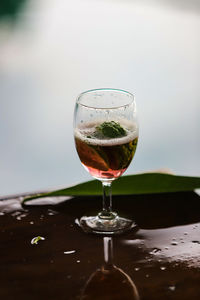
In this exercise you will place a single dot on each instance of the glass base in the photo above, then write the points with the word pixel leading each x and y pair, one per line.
pixel 99 225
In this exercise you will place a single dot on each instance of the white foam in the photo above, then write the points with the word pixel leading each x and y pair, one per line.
pixel 83 131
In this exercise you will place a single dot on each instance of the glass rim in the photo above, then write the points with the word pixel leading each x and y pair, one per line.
pixel 105 89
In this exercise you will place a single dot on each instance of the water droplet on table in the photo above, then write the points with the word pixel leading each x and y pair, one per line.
pixel 172 288
pixel 52 212
pixel 70 252
pixel 155 251
pixel 77 222
pixel 174 243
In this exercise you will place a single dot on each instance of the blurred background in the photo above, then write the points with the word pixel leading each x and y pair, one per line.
pixel 52 50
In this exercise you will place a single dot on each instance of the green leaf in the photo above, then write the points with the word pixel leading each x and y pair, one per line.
pixel 146 183
pixel 36 239
pixel 111 129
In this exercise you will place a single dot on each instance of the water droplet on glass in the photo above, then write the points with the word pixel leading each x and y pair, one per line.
pixel 69 252
pixel 163 268
pixel 172 288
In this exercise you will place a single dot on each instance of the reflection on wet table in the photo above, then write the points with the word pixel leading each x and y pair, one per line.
pixel 45 255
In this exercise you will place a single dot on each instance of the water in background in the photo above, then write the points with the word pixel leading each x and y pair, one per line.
pixel 53 50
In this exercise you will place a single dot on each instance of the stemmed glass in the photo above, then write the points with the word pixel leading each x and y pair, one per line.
pixel 106 135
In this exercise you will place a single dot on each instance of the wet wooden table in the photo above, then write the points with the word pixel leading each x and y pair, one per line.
pixel 161 259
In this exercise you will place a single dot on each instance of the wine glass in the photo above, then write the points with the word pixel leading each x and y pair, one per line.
pixel 109 282
pixel 106 135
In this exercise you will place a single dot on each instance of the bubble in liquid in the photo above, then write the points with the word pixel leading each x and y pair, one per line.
pixel 136 269
pixel 163 268
pixel 172 288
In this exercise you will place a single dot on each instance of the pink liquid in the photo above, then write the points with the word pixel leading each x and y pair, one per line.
pixel 102 174
pixel 108 160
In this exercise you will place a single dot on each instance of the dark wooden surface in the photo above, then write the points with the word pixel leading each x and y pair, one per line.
pixel 162 258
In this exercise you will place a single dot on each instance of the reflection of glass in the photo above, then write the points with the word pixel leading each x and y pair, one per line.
pixel 109 282
pixel 106 134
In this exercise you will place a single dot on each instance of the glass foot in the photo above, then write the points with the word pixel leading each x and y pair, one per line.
pixel 95 224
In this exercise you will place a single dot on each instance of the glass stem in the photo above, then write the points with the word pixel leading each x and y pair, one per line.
pixel 108 251
pixel 107 202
